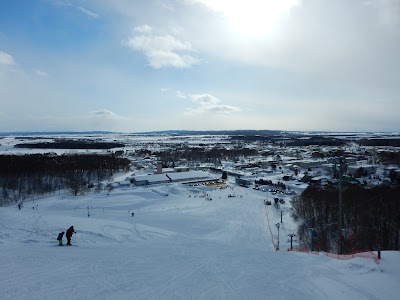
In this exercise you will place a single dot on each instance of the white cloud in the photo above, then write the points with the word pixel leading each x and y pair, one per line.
pixel 167 6
pixel 66 3
pixel 181 95
pixel 88 12
pixel 161 50
pixel 6 59
pixel 41 73
pixel 207 103
pixel 215 108
pixel 143 29
pixel 93 120
pixel 205 99
pixel 105 114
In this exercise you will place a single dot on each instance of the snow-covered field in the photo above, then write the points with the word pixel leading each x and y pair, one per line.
pixel 180 246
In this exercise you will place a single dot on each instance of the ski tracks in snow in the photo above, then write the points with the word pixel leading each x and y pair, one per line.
pixel 134 232
pixel 177 278
pixel 227 289
pixel 345 287
pixel 122 232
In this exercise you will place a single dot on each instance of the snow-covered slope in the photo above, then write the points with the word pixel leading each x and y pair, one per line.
pixel 180 246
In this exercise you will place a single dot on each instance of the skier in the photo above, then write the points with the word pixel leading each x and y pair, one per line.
pixel 60 237
pixel 68 235
pixel 19 206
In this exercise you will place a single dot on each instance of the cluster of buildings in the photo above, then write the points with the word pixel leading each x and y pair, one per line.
pixel 161 175
pixel 292 165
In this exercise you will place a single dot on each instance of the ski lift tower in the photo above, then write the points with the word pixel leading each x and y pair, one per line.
pixel 277 226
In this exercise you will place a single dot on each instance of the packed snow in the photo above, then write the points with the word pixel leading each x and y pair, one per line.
pixel 183 242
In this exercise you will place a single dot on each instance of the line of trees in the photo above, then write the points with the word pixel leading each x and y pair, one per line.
pixel 371 218
pixel 380 142
pixel 71 144
pixel 269 182
pixel 390 157
pixel 26 176
pixel 202 154
pixel 316 141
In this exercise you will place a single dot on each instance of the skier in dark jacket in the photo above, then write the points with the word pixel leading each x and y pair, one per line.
pixel 69 233
pixel 60 237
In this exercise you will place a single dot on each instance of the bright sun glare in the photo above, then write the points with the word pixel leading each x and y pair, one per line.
pixel 252 18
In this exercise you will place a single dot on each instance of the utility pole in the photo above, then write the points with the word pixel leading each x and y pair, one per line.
pixel 291 235
pixel 312 233
pixel 277 226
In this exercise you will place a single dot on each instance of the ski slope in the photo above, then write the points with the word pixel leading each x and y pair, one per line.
pixel 178 245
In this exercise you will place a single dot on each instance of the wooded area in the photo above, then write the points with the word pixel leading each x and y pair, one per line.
pixel 26 176
pixel 70 144
pixel 371 218
pixel 201 154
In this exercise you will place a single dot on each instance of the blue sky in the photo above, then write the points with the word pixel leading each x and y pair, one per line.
pixel 131 65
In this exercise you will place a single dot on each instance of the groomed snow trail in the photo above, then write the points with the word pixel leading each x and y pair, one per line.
pixel 179 246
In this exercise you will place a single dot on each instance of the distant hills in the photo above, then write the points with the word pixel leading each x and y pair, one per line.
pixel 242 132
pixel 162 132
pixel 30 133
pixel 215 132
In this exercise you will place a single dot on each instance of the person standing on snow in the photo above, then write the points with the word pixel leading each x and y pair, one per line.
pixel 68 235
pixel 60 237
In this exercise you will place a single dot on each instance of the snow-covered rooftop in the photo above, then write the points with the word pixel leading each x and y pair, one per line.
pixel 188 175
